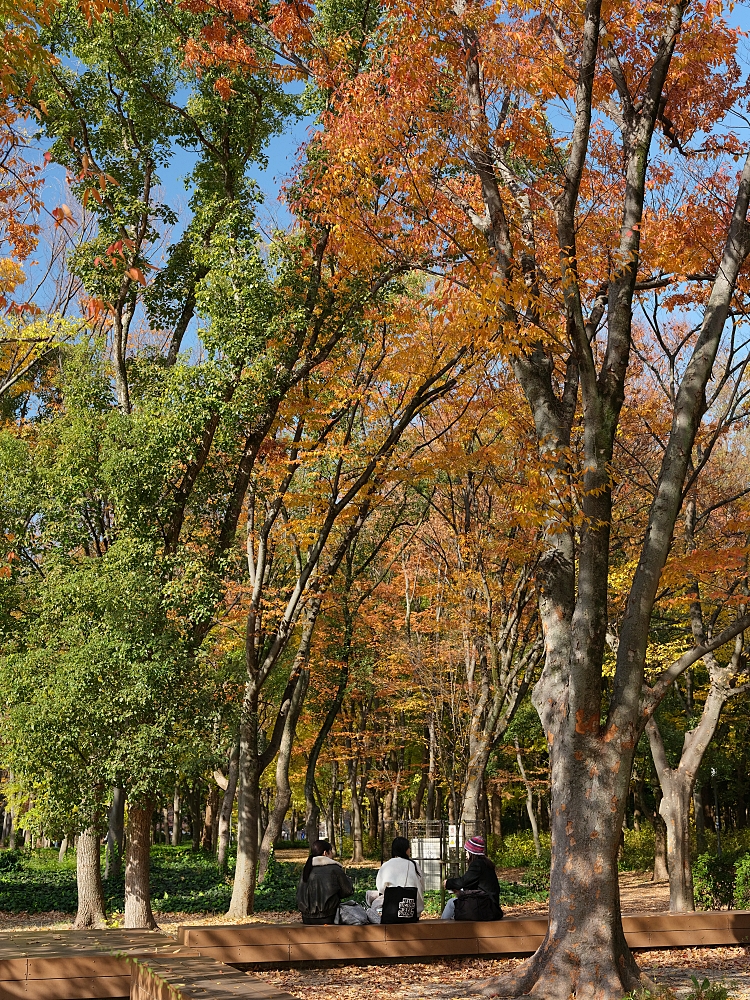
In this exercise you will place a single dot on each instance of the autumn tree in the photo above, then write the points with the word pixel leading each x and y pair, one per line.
pixel 525 153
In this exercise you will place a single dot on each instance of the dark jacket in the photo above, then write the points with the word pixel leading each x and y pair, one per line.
pixel 319 897
pixel 479 875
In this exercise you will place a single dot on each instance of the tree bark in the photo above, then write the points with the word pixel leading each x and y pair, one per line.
pixel 496 815
pixel 700 820
pixel 89 877
pixel 138 912
pixel 355 790
pixel 227 805
pixel 212 805
pixel 115 833
pixel 176 817
pixel 63 850
pixel 661 869
pixel 283 788
pixel 248 807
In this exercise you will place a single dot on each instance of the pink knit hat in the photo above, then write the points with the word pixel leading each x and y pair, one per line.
pixel 475 845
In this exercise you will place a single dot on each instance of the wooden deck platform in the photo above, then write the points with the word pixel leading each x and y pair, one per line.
pixel 93 965
pixel 148 965
pixel 283 944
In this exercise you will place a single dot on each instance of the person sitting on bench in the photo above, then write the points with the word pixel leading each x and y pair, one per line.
pixel 323 885
pixel 479 875
pixel 399 870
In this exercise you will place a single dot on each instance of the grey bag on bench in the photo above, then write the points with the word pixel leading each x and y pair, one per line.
pixel 352 913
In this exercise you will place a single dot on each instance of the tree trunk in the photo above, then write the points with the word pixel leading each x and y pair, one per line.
pixel 584 952
pixel 700 820
pixel 176 817
pixel 195 816
pixel 675 810
pixel 248 802
pixel 63 851
pixel 283 788
pixel 661 870
pixel 227 805
pixel 212 805
pixel 529 801
pixel 496 815
pixel 115 833
pixel 312 810
pixel 138 862
pixel 356 788
pixel 89 877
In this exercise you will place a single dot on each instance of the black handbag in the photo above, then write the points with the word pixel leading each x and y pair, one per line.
pixel 399 905
pixel 476 904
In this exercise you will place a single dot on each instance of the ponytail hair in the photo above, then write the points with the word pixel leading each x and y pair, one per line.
pixel 318 849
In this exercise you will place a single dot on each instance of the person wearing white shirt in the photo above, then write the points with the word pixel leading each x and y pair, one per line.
pixel 399 870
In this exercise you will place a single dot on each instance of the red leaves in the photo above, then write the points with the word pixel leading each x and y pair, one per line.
pixel 63 214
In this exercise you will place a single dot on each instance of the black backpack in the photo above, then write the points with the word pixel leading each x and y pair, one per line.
pixel 476 904
pixel 399 905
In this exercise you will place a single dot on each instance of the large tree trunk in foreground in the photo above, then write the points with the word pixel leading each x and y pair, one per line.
pixel 584 951
pixel 115 833
pixel 227 805
pixel 137 888
pixel 89 876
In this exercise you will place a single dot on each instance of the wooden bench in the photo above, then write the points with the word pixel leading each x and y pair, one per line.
pixel 283 944
pixel 93 965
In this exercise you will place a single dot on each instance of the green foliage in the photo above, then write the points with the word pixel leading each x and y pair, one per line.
pixel 742 883
pixel 518 850
pixel 10 861
pixel 637 854
pixel 706 990
pixel 537 875
pixel 713 881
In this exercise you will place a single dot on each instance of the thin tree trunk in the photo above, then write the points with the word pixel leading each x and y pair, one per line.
pixel 138 912
pixel 283 788
pixel 529 801
pixel 63 851
pixel 115 833
pixel 176 817
pixel 355 790
pixel 212 805
pixel 661 871
pixel 195 816
pixel 227 805
pixel 89 877
pixel 496 815
pixel 700 820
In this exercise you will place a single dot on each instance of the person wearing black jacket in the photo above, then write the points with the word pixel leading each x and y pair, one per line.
pixel 479 875
pixel 323 885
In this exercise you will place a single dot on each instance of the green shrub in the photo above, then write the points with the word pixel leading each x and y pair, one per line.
pixel 637 854
pixel 713 881
pixel 10 861
pixel 742 882
pixel 536 876
pixel 518 850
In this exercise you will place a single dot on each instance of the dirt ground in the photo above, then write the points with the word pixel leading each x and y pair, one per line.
pixel 670 969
